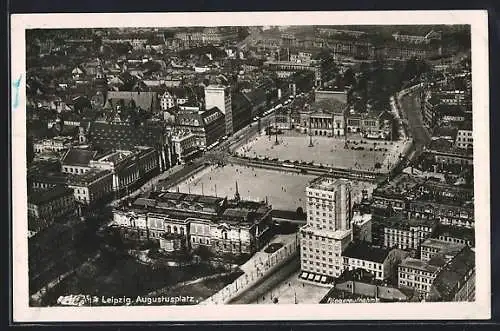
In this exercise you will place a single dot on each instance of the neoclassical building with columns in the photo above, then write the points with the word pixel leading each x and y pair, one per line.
pixel 224 226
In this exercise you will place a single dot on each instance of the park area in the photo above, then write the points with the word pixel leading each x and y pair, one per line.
pixel 360 154
pixel 284 190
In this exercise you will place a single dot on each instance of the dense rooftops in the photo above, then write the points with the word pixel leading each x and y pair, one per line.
pixel 401 223
pixel 454 273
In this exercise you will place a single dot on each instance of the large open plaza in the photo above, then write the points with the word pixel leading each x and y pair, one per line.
pixel 284 190
pixel 360 154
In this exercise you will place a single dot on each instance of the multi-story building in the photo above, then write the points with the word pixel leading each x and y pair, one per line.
pixel 327 118
pixel 56 144
pixel 123 135
pixel 49 204
pixel 464 136
pixel 455 234
pixel 408 233
pixel 328 230
pixel 185 146
pixel 445 153
pixel 208 126
pixel 241 111
pixel 456 281
pixel 285 69
pixel 91 186
pixel 76 161
pixel 220 96
pixel 128 167
pixel 415 39
pixel 432 247
pixel 173 97
pixel 380 262
pixel 224 226
pixel 418 274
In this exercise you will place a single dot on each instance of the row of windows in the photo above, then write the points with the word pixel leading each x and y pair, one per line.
pixel 365 264
pixel 205 241
pixel 317 257
pixel 421 287
pixel 414 271
pixel 324 265
pixel 75 170
pixel 415 278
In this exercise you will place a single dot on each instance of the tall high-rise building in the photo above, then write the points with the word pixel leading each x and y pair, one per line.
pixel 220 96
pixel 328 230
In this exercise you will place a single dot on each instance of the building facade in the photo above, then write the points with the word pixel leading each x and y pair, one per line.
pixel 50 204
pixel 328 230
pixel 92 186
pixel 225 227
pixel 220 97
pixel 417 274
pixel 128 167
pixel 408 233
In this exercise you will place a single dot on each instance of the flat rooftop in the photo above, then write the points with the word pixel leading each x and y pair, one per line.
pixel 326 183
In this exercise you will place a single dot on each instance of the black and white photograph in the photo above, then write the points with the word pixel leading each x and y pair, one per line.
pixel 250 166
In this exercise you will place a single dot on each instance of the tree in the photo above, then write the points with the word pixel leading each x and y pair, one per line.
pixel 300 212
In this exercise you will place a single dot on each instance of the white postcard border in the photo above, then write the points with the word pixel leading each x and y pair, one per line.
pixel 480 309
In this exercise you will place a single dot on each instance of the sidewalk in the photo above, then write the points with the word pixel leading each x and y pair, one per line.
pixel 293 291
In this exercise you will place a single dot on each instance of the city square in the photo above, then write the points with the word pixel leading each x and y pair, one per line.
pixel 286 191
pixel 327 151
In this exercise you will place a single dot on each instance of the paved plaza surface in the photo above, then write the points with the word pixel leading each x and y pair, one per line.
pixel 284 190
pixel 326 151
pixel 293 291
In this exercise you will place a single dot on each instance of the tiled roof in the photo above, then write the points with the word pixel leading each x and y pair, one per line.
pixel 455 232
pixel 124 135
pixel 363 251
pixel 78 157
pixel 287 214
pixel 450 277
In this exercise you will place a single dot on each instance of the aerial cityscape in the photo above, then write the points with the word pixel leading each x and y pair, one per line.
pixel 250 165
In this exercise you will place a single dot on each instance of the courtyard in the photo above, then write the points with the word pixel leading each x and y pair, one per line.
pixel 360 154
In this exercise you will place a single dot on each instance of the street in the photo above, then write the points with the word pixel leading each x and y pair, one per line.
pixel 262 288
pixel 410 106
